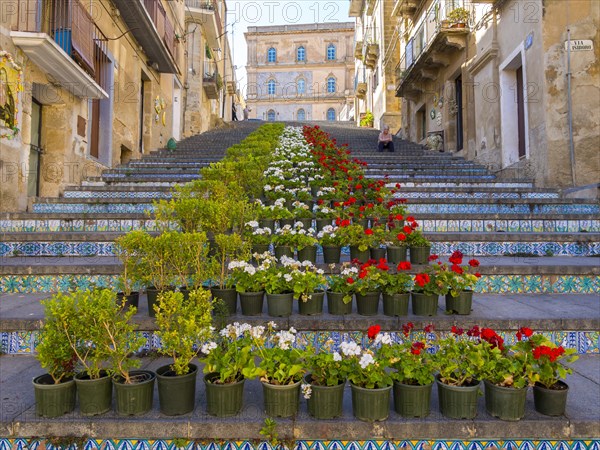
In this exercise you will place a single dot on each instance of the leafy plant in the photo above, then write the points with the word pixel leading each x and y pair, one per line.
pixel 413 364
pixel 356 235
pixel 400 282
pixel 458 277
pixel 130 249
pixel 367 120
pixel 183 323
pixel 326 367
pixel 282 363
pixel 368 365
pixel 344 282
pixel 460 357
pixel 229 247
pixel 459 15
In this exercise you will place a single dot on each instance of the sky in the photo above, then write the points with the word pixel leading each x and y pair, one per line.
pixel 244 13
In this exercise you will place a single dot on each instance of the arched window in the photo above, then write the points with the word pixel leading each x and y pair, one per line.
pixel 271 115
pixel 331 85
pixel 331 114
pixel 301 115
pixel 271 87
pixel 331 52
pixel 271 55
pixel 301 86
pixel 301 54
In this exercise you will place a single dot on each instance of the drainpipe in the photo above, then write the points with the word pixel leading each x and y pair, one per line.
pixel 570 108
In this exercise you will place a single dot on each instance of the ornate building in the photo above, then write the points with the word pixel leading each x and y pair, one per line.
pixel 300 72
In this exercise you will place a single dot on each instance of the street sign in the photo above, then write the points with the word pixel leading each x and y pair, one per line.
pixel 579 45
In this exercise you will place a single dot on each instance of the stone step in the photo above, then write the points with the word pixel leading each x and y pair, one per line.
pixel 558 274
pixel 154 430
pixel 442 223
pixel 472 244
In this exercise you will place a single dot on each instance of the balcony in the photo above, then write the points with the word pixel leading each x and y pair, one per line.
pixel 231 88
pixel 211 80
pixel 206 13
pixel 149 24
pixel 356 8
pixel 61 38
pixel 371 55
pixel 435 43
pixel 358 50
pixel 406 8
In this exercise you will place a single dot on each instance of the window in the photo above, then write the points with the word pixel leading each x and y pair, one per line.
pixel 331 85
pixel 301 115
pixel 301 54
pixel 271 87
pixel 301 86
pixel 271 115
pixel 271 55
pixel 331 52
pixel 331 114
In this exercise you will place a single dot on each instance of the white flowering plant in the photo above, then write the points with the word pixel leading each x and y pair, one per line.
pixel 296 236
pixel 328 236
pixel 301 210
pixel 248 278
pixel 306 277
pixel 327 367
pixel 278 280
pixel 276 211
pixel 344 282
pixel 369 364
pixel 230 352
pixel 324 211
pixel 281 362
pixel 256 235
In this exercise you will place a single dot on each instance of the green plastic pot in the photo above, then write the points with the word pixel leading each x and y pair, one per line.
pixel 95 394
pixel 419 255
pixel 336 305
pixel 284 250
pixel 424 305
pixel 127 301
pixel 505 403
pixel 551 402
pixel 281 401
pixel 332 254
pixel 136 398
pixel 325 402
pixel 284 222
pixel 458 402
pixel 306 221
pixel 308 254
pixel 260 249
pixel 367 304
pixel 176 393
pixel 53 400
pixel 395 304
pixel 362 256
pixel 223 400
pixel 377 253
pixel 371 404
pixel 313 306
pixel 412 400
pixel 227 296
pixel 396 255
pixel 152 297
pixel 280 305
pixel 252 303
pixel 322 223
pixel 460 305
pixel 267 223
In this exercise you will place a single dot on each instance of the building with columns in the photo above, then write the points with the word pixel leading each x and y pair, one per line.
pixel 301 72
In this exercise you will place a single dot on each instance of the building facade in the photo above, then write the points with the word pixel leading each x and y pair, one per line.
pixel 376 57
pixel 490 80
pixel 300 72
pixel 87 85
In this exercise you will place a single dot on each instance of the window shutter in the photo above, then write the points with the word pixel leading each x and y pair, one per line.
pixel 83 37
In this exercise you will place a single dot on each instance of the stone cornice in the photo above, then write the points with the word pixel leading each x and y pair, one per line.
pixel 477 63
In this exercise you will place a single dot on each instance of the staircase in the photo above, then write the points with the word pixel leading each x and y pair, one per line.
pixel 540 265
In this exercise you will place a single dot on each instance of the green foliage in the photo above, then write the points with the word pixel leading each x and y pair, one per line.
pixel 367 120
pixel 327 368
pixel 181 324
pixel 396 283
pixel 460 360
pixel 459 15
pixel 417 239
pixel 269 431
pixel 413 364
pixel 356 235
pixel 228 248
pixel 281 364
pixel 130 249
pixel 297 236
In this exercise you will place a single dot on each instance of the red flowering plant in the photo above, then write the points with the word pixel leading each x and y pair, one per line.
pixel 371 276
pixel 458 277
pixel 412 361
pixel 400 282
pixel 429 282
pixel 356 235
pixel 414 236
pixel 460 357
pixel 344 282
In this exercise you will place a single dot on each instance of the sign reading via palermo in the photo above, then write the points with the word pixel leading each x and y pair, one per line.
pixel 579 45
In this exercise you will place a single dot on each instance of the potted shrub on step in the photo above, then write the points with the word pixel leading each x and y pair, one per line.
pixel 250 281
pixel 182 324
pixel 308 284
pixel 396 289
pixel 419 245
pixel 460 282
pixel 341 290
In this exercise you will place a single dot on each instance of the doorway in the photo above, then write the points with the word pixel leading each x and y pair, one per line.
pixel 176 109
pixel 458 89
pixel 144 90
pixel 35 150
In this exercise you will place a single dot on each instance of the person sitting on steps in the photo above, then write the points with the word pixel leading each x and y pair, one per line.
pixel 386 140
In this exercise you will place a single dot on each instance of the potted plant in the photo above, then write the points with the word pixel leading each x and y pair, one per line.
pixel 308 283
pixel 302 213
pixel 427 288
pixel 460 362
pixel 548 371
pixel 249 283
pixel 396 289
pixel 228 362
pixel 396 245
pixel 259 238
pixel 367 119
pixel 359 239
pixel 281 370
pixel 505 373
pixel 458 17
pixel 324 383
pixel 89 340
pixel 181 323
pixel 229 247
pixel 331 242
pixel 341 290
pixel 460 283
pixel 370 381
pixel 185 258
pixel 368 286
pixel 324 215
pixel 55 390
pixel 279 289
pixel 420 247
pixel 413 375
pixel 129 248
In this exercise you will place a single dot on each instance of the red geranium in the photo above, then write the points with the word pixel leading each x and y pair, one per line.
pixel 474 263
pixel 404 265
pixel 524 331
pixel 373 331
pixel 406 329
